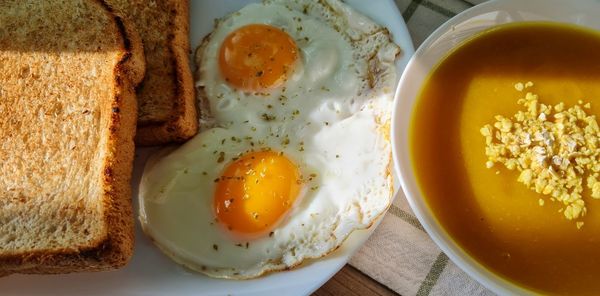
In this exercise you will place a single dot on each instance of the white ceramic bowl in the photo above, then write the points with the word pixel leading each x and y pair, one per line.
pixel 584 13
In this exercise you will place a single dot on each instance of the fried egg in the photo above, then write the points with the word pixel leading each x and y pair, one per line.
pixel 293 152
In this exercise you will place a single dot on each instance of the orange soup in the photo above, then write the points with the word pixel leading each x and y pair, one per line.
pixel 494 218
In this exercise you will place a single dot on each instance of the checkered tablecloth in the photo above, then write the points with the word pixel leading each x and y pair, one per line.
pixel 400 254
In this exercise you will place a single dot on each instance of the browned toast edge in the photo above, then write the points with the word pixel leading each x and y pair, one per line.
pixel 183 121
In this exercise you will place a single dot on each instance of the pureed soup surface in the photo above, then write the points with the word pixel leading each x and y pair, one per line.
pixel 496 219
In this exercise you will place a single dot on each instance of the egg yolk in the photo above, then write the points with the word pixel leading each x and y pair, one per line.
pixel 255 192
pixel 257 57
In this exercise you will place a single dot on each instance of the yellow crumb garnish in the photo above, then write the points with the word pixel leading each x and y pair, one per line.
pixel 555 149
pixel 519 86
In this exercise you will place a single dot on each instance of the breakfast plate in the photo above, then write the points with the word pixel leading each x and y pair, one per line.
pixel 152 273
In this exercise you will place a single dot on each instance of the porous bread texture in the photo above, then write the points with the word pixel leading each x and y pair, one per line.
pixel 68 69
pixel 167 108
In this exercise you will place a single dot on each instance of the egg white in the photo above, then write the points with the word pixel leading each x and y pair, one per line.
pixel 331 118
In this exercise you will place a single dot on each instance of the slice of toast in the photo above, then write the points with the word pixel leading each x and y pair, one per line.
pixel 167 108
pixel 68 70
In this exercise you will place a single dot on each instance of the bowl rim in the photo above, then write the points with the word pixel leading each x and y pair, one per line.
pixel 402 113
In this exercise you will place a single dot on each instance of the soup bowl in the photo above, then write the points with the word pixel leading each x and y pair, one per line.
pixel 449 36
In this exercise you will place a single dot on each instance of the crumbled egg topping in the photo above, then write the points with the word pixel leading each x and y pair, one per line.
pixel 555 149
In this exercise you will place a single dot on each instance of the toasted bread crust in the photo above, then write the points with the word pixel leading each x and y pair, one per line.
pixel 117 249
pixel 113 249
pixel 170 50
pixel 183 121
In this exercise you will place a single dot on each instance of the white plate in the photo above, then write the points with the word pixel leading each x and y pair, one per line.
pixel 152 273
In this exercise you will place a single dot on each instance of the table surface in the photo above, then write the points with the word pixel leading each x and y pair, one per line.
pixel 351 282
pixel 422 18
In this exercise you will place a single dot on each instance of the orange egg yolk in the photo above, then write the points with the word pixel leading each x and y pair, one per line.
pixel 257 57
pixel 255 192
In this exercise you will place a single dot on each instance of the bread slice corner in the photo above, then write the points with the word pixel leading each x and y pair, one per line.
pixel 167 104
